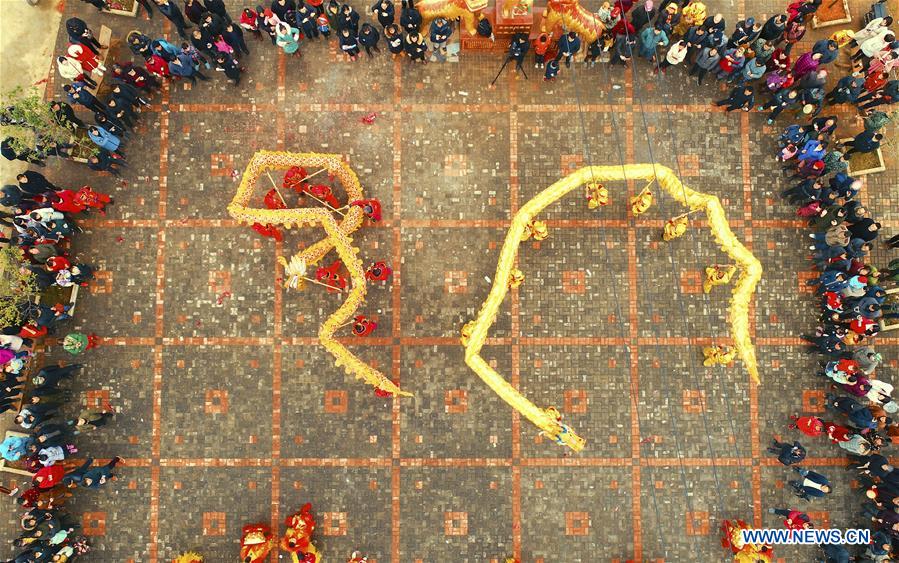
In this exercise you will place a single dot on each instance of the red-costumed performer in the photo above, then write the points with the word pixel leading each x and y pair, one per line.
pixel 295 179
pixel 331 277
pixel 268 231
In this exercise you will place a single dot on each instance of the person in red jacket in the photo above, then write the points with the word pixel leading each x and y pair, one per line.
pixel 808 425
pixel 541 45
pixel 48 477
pixel 837 433
pixel 794 519
pixel 57 263
pixel 87 197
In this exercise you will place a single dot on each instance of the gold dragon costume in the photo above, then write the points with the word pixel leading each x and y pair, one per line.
pixel 337 238
pixel 474 333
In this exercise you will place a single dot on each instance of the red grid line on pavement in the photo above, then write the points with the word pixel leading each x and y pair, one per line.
pixel 277 329
pixel 396 328
pixel 524 341
pixel 746 161
pixel 515 330
pixel 633 332
pixel 159 328
pixel 461 463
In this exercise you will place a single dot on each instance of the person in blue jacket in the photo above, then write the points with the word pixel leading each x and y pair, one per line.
pixel 104 139
pixel 569 45
pixel 440 34
pixel 651 38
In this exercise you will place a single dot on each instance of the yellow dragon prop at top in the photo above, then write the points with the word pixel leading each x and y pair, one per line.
pixel 474 333
pixel 572 17
pixel 337 238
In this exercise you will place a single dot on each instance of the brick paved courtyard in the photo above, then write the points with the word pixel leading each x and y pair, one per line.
pixel 231 413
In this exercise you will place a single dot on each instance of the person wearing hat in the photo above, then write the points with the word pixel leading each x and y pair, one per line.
pixel 439 34
pixel 622 26
pixel 288 38
pixel 643 16
pixel 668 18
pixel 552 69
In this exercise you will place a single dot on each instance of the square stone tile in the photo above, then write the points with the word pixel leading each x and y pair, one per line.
pixel 690 410
pixel 450 527
pixel 117 520
pixel 575 285
pixel 598 522
pixel 433 157
pixel 207 158
pixel 321 406
pixel 690 503
pixel 458 415
pixel 220 282
pixel 446 275
pixel 589 386
pixel 235 402
pixel 118 378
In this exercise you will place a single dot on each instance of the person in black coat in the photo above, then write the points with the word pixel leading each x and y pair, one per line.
pixel 194 10
pixel 415 47
pixel 394 38
pixel 306 15
pixel 229 65
pixel 741 97
pixel 569 45
pixel 774 28
pixel 80 33
pixel 518 48
pixel 34 183
pixel 410 17
pixel 233 36
pixel 66 115
pixel 218 7
pixel 369 37
pixel 349 43
pixel 644 15
pixel 281 7
pixel 384 11
pixel 787 454
pixel 349 19
pixel 173 13
pixel 104 161
pixel 213 24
